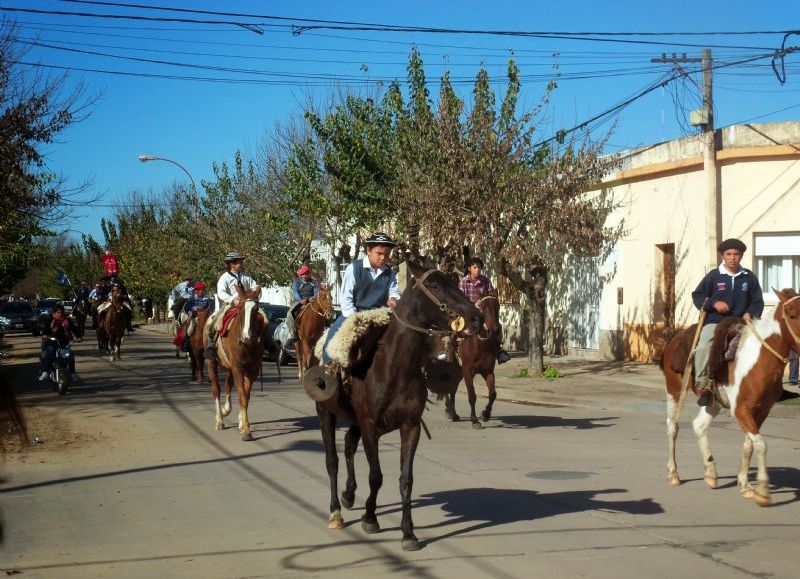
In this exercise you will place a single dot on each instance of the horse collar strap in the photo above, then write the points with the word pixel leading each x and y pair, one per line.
pixel 420 329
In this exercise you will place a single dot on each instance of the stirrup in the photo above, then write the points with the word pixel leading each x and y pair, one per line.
pixel 320 384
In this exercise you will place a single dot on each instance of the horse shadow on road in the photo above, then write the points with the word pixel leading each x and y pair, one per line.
pixel 527 421
pixel 484 508
pixel 784 482
pixel 281 426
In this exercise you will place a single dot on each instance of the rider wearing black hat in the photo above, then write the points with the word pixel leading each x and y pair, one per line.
pixel 725 291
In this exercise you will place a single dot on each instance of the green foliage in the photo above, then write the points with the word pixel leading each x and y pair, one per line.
pixel 523 373
pixel 551 373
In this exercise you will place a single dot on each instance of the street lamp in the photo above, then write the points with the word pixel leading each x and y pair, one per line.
pixel 146 158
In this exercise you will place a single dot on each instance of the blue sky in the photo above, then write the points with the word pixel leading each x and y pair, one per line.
pixel 198 123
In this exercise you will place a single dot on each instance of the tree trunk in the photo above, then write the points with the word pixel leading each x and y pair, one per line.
pixel 536 321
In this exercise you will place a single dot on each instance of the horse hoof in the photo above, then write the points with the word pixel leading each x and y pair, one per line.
pixel 476 424
pixel 348 502
pixel 336 521
pixel 219 426
pixel 748 494
pixel 485 417
pixel 711 482
pixel 370 527
pixel 411 544
pixel 673 480
pixel 247 436
pixel 761 500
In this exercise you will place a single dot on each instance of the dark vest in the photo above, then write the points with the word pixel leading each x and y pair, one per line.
pixel 305 289
pixel 369 294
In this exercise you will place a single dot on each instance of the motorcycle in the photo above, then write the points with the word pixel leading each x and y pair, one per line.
pixel 60 375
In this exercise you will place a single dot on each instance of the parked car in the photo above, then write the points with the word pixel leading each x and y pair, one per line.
pixel 68 306
pixel 18 316
pixel 275 314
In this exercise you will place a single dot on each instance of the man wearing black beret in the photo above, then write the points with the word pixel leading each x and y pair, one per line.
pixel 728 290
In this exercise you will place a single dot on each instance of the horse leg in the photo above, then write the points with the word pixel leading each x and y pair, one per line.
pixel 409 438
pixel 243 387
pixel 469 377
pixel 300 351
pixel 672 435
pixel 213 377
pixel 350 445
pixel 369 521
pixel 487 412
pixel 753 443
pixel 450 407
pixel 701 424
pixel 327 424
pixel 226 408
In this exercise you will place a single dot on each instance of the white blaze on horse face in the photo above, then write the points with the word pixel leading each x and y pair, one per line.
pixel 748 353
pixel 248 310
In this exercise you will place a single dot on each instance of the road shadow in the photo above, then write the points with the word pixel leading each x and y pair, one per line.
pixel 485 507
pixel 525 421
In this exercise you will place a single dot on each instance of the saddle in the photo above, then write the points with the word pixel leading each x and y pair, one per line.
pixel 723 349
pixel 226 320
pixel 355 342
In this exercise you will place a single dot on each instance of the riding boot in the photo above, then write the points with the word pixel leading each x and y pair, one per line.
pixel 706 394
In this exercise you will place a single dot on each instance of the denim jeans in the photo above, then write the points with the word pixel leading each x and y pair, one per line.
pixel 49 356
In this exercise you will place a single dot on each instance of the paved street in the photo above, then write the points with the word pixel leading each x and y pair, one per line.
pixel 131 480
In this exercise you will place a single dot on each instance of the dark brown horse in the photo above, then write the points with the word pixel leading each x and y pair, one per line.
pixel 750 384
pixel 387 391
pixel 197 345
pixel 478 354
pixel 112 326
pixel 239 352
pixel 311 322
pixel 11 418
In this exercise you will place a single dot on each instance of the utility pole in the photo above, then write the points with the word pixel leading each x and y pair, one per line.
pixel 705 119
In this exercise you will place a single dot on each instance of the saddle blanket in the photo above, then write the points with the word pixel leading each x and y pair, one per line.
pixel 356 338
pixel 226 320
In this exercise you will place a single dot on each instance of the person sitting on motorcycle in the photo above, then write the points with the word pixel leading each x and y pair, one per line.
pixel 59 329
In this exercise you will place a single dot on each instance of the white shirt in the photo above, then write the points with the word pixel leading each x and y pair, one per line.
pixel 349 282
pixel 226 286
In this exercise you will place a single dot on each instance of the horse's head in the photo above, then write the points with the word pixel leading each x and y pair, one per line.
pixel 324 303
pixel 790 305
pixel 249 313
pixel 490 308
pixel 433 301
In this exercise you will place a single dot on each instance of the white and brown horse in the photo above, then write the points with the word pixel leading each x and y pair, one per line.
pixel 240 352
pixel 751 384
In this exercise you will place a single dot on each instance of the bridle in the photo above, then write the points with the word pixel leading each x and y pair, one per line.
pixel 323 314
pixel 457 321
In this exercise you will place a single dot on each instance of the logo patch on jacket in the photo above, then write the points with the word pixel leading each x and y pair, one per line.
pixel 720 286
pixel 744 286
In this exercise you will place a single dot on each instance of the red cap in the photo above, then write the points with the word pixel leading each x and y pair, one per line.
pixel 303 270
pixel 199 285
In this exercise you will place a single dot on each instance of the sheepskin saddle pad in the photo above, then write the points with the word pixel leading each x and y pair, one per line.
pixel 356 339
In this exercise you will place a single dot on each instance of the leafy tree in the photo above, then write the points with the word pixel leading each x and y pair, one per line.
pixel 33 110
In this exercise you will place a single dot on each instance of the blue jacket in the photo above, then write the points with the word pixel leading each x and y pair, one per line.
pixel 741 292
pixel 194 304
pixel 304 289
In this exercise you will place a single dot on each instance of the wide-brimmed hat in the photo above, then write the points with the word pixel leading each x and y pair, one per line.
pixel 233 256
pixel 731 243
pixel 379 238
pixel 304 269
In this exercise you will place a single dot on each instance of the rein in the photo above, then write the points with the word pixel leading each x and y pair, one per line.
pixel 484 323
pixel 322 314
pixel 769 348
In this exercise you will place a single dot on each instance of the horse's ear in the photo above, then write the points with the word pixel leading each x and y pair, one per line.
pixel 416 269
pixel 785 293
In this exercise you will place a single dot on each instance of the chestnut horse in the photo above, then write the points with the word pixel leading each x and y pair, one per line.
pixel 311 321
pixel 239 352
pixel 387 391
pixel 197 345
pixel 112 328
pixel 478 354
pixel 751 384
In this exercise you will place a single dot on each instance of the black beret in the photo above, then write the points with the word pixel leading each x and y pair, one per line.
pixel 731 243
pixel 379 238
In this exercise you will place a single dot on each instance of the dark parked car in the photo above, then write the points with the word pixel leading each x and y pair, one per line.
pixel 275 314
pixel 18 316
